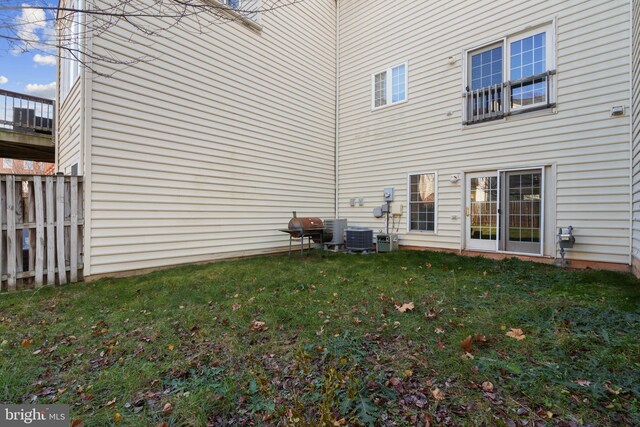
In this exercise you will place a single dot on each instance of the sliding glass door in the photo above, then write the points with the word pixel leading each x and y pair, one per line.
pixel 504 211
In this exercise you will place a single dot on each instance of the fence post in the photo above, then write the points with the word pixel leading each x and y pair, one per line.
pixel 62 268
pixel 51 239
pixel 11 233
pixel 37 189
pixel 73 232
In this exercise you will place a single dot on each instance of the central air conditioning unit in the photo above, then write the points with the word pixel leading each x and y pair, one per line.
pixel 359 239
pixel 334 231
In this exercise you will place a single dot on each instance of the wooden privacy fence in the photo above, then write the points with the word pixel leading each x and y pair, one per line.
pixel 42 225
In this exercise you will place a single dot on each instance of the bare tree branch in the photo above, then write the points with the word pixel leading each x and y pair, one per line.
pixel 56 29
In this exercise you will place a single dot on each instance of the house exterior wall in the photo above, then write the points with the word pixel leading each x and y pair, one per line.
pixel 68 130
pixel 203 151
pixel 585 151
pixel 635 133
pixel 69 114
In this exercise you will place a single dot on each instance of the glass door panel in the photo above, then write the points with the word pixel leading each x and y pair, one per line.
pixel 522 203
pixel 481 211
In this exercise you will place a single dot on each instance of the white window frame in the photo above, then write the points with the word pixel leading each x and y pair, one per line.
pixel 248 11
pixel 551 50
pixel 500 173
pixel 28 164
pixel 435 203
pixel 389 86
pixel 550 63
pixel 7 163
pixel 70 67
pixel 226 3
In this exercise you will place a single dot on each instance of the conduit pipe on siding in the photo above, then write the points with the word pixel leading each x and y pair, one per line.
pixel 337 113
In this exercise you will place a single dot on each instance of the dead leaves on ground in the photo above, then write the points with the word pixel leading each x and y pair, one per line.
pixel 258 326
pixel 407 306
pixel 437 394
pixel 516 333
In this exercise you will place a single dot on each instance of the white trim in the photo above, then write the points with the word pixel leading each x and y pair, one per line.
pixel 336 146
pixel 466 205
pixel 542 209
pixel 435 203
pixel 631 113
pixel 464 241
pixel 254 24
pixel 389 86
pixel 550 58
pixel 550 28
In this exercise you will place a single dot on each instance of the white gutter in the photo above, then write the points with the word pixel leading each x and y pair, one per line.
pixel 337 112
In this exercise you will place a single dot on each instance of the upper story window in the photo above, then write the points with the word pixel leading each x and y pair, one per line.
pixel 7 163
pixel 70 53
pixel 234 4
pixel 389 87
pixel 247 10
pixel 511 76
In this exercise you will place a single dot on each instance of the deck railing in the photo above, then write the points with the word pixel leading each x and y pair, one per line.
pixel 499 100
pixel 26 113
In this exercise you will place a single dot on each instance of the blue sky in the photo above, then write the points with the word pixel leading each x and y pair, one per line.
pixel 32 71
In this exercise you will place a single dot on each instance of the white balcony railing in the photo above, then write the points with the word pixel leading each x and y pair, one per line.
pixel 508 98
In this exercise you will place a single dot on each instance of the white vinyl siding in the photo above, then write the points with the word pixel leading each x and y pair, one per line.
pixel 205 151
pixel 584 149
pixel 68 129
pixel 635 131
pixel 70 49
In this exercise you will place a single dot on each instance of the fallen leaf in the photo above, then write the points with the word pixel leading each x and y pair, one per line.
pixel 516 333
pixel 167 408
pixel 117 418
pixel 480 338
pixel 610 389
pixel 77 423
pixel 487 386
pixel 428 265
pixel 393 381
pixel 258 326
pixel 111 402
pixel 164 424
pixel 407 306
pixel 170 347
pixel 26 343
pixel 408 373
pixel 440 344
pixel 236 306
pixel 438 331
pixel 583 383
pixel 437 394
pixel 465 344
pixel 403 268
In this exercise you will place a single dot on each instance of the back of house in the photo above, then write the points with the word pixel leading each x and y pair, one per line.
pixel 496 124
pixel 200 141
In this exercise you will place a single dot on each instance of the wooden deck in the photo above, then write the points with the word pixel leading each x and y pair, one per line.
pixel 26 127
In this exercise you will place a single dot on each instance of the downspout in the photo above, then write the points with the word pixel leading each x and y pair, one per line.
pixel 631 113
pixel 337 112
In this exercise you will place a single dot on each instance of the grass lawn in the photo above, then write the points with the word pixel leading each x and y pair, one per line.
pixel 320 340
